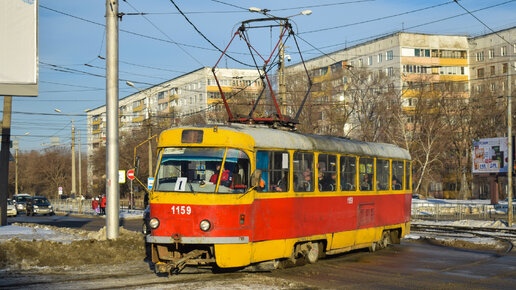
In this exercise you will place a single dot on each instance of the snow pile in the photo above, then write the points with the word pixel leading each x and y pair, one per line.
pixel 23 247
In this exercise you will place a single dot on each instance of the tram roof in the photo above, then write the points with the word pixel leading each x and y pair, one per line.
pixel 275 138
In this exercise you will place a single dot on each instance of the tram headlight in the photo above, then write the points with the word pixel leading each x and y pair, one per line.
pixel 205 225
pixel 154 223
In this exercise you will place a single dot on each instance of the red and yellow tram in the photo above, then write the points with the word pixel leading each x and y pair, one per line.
pixel 233 195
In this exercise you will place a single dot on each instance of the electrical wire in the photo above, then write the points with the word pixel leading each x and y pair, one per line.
pixel 206 38
pixel 166 35
pixel 377 19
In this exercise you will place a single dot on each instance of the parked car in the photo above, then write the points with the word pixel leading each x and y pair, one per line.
pixel 39 205
pixel 20 201
pixel 11 208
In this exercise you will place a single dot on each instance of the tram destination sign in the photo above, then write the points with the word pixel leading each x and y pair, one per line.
pixel 490 155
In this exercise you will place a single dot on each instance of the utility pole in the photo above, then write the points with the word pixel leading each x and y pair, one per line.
pixel 73 161
pixel 80 167
pixel 150 135
pixel 112 154
pixel 16 171
pixel 80 171
pixel 509 144
pixel 4 159
pixel 281 73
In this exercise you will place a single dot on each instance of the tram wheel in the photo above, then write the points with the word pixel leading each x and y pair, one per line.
pixel 386 240
pixel 313 253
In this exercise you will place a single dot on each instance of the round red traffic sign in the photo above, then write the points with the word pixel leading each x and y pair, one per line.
pixel 130 174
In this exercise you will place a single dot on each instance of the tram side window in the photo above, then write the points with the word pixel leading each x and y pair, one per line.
pixel 407 174
pixel 348 170
pixel 397 175
pixel 275 168
pixel 303 171
pixel 327 172
pixel 366 173
pixel 382 174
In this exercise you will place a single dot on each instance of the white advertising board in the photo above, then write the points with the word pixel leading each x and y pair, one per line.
pixel 490 155
pixel 19 49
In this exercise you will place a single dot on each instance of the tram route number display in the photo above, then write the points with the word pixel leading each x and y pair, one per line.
pixel 181 209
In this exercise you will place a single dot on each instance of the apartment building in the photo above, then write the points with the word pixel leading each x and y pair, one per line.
pixel 492 61
pixel 408 60
pixel 492 58
pixel 168 101
pixel 404 57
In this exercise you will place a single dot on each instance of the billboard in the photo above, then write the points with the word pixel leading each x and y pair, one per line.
pixel 490 155
pixel 19 49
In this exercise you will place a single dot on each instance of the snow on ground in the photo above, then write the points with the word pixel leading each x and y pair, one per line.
pixel 37 233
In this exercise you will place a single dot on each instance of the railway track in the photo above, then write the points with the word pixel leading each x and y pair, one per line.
pixel 504 235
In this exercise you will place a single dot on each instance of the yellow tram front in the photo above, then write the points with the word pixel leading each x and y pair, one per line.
pixel 200 202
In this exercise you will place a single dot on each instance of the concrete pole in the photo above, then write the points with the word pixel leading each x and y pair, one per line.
pixel 73 191
pixel 16 171
pixel 150 134
pixel 80 167
pixel 112 154
pixel 509 144
pixel 4 159
pixel 281 75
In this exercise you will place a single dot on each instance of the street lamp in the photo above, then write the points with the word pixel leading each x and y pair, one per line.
pixel 73 190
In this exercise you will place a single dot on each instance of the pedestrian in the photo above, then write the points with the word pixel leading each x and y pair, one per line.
pixel 103 205
pixel 95 205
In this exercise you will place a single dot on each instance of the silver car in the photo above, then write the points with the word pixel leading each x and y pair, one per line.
pixel 11 208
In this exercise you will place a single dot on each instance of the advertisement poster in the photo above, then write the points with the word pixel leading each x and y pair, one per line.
pixel 490 155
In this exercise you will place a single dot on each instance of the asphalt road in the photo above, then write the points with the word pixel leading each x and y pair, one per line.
pixel 421 264
pixel 83 222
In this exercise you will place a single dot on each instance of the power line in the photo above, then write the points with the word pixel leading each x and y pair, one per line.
pixel 411 27
pixel 378 18
pixel 166 35
pixel 206 38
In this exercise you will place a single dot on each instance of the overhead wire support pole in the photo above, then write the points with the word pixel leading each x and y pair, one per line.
pixel 4 159
pixel 510 167
pixel 112 154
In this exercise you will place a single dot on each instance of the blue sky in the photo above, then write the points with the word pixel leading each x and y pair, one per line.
pixel 162 45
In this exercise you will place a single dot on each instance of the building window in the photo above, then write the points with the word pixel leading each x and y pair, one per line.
pixel 380 56
pixel 370 60
pixel 504 68
pixel 503 51
pixel 480 72
pixel 390 71
pixel 491 53
pixel 161 95
pixel 360 62
pixel 389 55
pixel 137 103
pixel 493 87
pixel 480 56
pixel 422 52
pixel 492 70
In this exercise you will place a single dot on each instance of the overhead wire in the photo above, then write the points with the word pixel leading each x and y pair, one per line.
pixel 412 27
pixel 378 18
pixel 206 38
pixel 166 35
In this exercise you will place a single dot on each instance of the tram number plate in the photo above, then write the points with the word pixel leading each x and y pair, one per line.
pixel 181 209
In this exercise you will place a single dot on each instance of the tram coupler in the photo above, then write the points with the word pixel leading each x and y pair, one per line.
pixel 179 265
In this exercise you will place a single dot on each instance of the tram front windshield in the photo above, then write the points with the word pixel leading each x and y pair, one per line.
pixel 195 169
